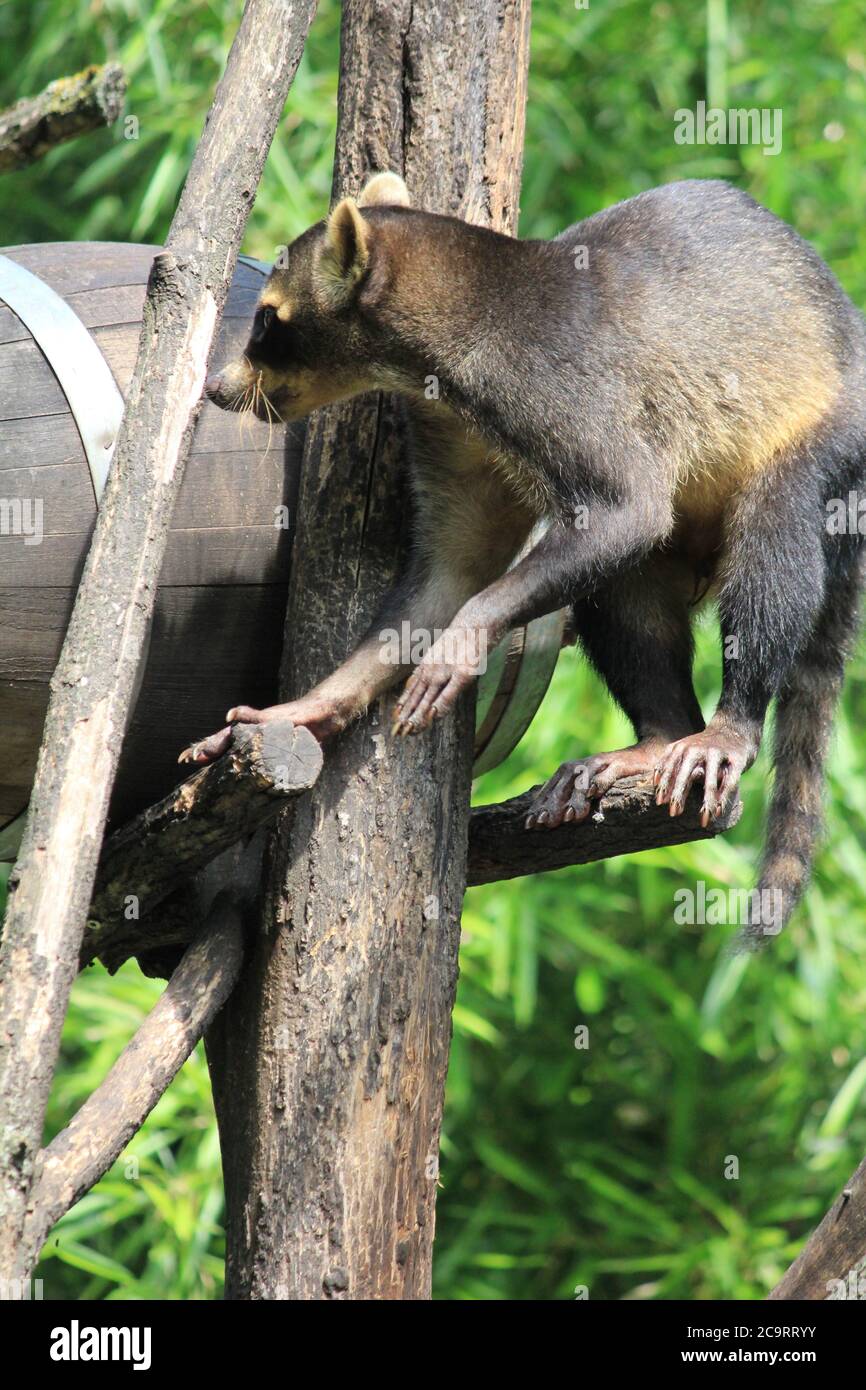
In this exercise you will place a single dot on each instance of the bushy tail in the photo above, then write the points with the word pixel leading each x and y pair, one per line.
pixel 804 723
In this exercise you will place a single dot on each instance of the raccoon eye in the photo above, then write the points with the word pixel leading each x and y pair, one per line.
pixel 267 318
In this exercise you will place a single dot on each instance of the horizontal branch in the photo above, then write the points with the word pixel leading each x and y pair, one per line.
pixel 69 107
pixel 626 821
pixel 81 1153
pixel 155 854
pixel 831 1264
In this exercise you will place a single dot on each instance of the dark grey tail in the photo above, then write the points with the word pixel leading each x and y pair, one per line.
pixel 804 722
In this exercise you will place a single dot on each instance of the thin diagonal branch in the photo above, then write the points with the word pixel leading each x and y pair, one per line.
pixel 81 1153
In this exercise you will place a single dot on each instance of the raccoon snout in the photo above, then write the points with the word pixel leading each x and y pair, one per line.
pixel 217 390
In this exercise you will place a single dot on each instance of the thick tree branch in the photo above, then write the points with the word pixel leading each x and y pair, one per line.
pixel 69 107
pixel 152 856
pixel 85 1150
pixel 93 686
pixel 155 854
pixel 627 820
pixel 832 1262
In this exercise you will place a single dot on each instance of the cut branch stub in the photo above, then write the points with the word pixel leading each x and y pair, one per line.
pixel 625 821
pixel 69 107
pixel 151 856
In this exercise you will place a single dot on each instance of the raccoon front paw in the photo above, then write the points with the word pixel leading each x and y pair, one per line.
pixel 323 717
pixel 449 668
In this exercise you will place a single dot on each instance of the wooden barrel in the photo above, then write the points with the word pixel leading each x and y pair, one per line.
pixel 68 341
pixel 218 615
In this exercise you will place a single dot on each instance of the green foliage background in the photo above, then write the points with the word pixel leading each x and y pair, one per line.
pixel 560 1167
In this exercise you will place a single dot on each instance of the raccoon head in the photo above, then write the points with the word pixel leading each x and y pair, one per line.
pixel 309 345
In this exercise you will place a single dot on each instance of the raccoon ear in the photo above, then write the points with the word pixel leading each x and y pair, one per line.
pixel 345 253
pixel 385 190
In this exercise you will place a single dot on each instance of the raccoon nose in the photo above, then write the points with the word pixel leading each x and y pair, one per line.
pixel 213 386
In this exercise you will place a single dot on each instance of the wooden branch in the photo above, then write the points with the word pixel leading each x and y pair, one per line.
pixel 93 686
pixel 627 820
pixel 69 107
pixel 81 1153
pixel 831 1265
pixel 154 854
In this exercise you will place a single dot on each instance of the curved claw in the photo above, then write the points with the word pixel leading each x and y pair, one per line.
pixel 715 758
pixel 567 797
pixel 207 749
pixel 429 694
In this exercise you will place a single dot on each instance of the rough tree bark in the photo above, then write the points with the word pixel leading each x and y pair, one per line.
pixel 93 687
pixel 832 1264
pixel 67 108
pixel 151 856
pixel 625 821
pixel 329 1061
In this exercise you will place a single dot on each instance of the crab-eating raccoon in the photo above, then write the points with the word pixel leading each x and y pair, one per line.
pixel 676 386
